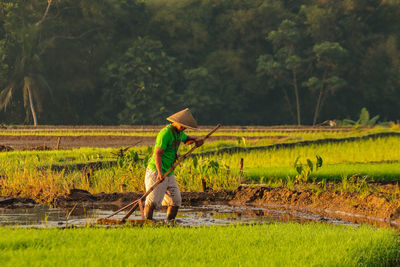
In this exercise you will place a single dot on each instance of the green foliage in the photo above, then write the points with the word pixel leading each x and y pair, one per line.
pixel 304 170
pixel 327 80
pixel 140 74
pixel 241 140
pixel 200 94
pixel 249 62
pixel 133 158
pixel 27 70
pixel 327 52
pixel 364 119
pixel 127 159
pixel 284 67
pixel 214 172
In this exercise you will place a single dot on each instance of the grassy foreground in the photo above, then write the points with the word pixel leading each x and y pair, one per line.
pixel 259 245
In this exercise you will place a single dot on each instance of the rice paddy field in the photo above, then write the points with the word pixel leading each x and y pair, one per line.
pixel 352 158
pixel 369 153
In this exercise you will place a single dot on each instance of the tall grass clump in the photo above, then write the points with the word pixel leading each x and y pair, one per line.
pixel 196 174
pixel 44 185
pixel 41 185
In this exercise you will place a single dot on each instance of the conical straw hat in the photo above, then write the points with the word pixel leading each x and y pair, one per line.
pixel 184 118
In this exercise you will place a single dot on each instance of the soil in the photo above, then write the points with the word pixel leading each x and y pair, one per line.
pixel 375 208
pixel 41 142
pixel 5 148
pixel 45 142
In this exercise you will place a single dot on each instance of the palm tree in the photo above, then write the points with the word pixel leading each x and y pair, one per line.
pixel 30 80
pixel 27 72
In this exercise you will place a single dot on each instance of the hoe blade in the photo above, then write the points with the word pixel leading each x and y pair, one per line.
pixel 105 221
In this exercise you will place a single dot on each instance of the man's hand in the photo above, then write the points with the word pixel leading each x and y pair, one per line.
pixel 192 140
pixel 158 160
pixel 160 176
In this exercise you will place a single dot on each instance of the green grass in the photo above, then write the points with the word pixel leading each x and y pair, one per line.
pixel 334 172
pixel 40 158
pixel 33 158
pixel 259 245
pixel 361 151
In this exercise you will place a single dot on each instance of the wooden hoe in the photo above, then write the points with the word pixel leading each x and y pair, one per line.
pixel 138 203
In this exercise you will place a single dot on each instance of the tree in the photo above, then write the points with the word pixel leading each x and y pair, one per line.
pixel 62 45
pixel 200 93
pixel 27 71
pixel 143 83
pixel 327 57
pixel 286 64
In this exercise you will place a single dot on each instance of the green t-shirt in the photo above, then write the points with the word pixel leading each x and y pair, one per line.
pixel 169 140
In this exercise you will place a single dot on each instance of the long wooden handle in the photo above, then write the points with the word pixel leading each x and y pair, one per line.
pixel 164 175
pixel 123 208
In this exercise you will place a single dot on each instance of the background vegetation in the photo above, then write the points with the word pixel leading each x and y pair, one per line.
pixel 234 62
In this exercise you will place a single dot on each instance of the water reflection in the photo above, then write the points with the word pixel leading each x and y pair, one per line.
pixel 44 216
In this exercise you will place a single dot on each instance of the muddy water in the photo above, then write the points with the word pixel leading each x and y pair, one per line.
pixel 43 216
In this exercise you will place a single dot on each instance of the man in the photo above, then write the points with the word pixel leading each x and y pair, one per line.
pixel 164 155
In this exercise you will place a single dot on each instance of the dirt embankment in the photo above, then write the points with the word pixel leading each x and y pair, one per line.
pixel 376 208
pixel 12 202
pixel 350 206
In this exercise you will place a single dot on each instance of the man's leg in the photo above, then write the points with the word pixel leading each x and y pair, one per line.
pixel 154 199
pixel 172 211
pixel 172 198
pixel 148 211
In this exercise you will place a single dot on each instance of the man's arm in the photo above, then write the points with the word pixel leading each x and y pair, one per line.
pixel 158 161
pixel 192 139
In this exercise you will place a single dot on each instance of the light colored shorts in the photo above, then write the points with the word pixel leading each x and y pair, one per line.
pixel 166 193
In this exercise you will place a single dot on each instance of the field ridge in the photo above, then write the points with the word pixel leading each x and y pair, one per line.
pixel 237 149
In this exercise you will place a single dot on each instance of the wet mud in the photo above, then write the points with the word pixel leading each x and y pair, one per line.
pixel 188 216
pixel 15 202
pixel 117 200
pixel 253 202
